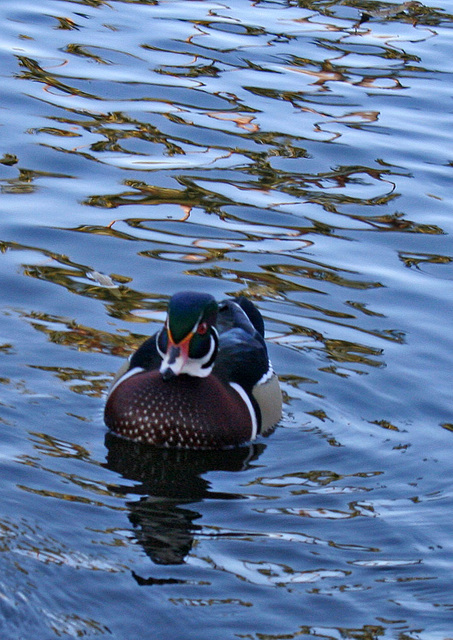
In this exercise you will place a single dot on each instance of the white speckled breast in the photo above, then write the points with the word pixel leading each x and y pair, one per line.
pixel 188 412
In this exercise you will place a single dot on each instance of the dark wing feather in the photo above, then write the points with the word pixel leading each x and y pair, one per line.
pixel 242 355
pixel 253 314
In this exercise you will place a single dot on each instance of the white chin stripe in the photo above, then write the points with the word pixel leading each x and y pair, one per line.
pixel 195 368
pixel 237 387
pixel 192 366
pixel 125 376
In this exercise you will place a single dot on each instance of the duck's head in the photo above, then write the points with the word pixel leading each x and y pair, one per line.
pixel 189 341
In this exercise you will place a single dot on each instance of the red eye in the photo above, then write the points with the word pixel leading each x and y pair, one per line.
pixel 202 328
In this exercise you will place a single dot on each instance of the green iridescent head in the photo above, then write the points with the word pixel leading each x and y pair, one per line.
pixel 190 313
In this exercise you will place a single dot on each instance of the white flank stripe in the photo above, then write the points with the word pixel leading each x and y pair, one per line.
pixel 128 374
pixel 237 387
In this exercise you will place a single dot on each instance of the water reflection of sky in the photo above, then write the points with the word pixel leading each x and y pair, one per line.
pixel 300 155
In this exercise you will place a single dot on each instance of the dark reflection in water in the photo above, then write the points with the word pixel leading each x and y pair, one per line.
pixel 167 481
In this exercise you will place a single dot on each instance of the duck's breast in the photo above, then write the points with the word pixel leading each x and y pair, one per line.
pixel 189 412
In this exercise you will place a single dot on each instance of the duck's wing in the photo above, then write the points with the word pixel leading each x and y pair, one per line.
pixel 242 356
pixel 240 313
pixel 253 314
pixel 243 360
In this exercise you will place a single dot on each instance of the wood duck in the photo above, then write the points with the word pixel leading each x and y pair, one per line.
pixel 204 381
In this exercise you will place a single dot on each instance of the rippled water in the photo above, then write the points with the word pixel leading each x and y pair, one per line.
pixel 298 153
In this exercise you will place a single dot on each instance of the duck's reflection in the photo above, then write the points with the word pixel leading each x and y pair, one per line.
pixel 167 480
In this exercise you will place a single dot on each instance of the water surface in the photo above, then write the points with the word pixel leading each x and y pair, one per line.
pixel 300 154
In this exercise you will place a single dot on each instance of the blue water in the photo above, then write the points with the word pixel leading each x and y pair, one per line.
pixel 296 153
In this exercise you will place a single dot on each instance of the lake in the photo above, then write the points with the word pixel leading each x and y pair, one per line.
pixel 301 154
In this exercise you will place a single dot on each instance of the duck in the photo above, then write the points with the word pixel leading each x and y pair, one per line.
pixel 203 381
